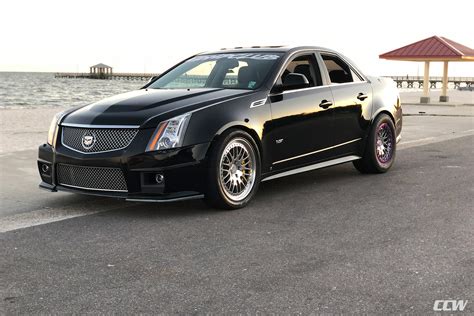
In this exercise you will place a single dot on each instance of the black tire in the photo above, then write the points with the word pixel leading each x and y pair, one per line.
pixel 374 160
pixel 218 192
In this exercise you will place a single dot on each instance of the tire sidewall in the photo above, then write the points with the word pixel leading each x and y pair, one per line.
pixel 380 166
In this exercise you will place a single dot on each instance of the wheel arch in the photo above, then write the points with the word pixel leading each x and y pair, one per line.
pixel 238 126
pixel 383 111
pixel 380 111
pixel 390 106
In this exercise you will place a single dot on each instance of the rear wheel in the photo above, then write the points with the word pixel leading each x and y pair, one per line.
pixel 380 149
pixel 234 172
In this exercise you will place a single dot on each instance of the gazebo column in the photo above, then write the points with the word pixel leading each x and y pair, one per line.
pixel 444 95
pixel 426 85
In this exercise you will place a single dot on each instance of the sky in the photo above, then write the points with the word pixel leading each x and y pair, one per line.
pixel 151 36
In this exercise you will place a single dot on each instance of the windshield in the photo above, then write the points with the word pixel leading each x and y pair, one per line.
pixel 225 70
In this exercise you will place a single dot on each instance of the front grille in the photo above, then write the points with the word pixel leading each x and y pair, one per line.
pixel 91 178
pixel 100 139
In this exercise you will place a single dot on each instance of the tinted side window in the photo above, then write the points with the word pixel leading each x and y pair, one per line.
pixel 305 65
pixel 339 71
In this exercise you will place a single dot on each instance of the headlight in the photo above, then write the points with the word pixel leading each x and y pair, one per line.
pixel 169 134
pixel 53 128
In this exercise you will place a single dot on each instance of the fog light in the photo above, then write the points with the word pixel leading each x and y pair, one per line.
pixel 159 178
pixel 45 168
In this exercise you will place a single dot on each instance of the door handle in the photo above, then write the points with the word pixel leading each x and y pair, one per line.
pixel 325 104
pixel 362 96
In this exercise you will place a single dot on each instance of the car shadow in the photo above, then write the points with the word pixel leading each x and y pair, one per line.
pixel 312 181
pixel 293 187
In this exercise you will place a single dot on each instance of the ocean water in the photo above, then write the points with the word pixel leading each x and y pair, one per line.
pixel 39 90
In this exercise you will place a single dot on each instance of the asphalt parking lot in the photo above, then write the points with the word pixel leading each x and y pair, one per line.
pixel 326 241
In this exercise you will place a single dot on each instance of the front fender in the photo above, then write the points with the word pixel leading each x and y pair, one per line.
pixel 207 123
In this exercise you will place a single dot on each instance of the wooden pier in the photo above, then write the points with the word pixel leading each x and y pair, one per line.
pixel 417 81
pixel 111 76
pixel 402 81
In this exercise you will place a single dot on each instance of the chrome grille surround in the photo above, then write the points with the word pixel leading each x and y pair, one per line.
pixel 105 139
pixel 91 178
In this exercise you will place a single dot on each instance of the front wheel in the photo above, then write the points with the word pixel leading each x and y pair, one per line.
pixel 234 171
pixel 380 149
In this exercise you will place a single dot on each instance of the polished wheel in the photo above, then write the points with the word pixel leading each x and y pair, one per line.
pixel 234 170
pixel 237 169
pixel 384 143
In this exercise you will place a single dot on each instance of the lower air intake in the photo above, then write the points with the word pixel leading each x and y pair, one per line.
pixel 92 178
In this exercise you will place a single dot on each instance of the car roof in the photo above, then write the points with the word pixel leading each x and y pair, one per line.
pixel 261 49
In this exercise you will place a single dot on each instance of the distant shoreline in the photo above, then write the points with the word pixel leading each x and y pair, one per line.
pixel 152 73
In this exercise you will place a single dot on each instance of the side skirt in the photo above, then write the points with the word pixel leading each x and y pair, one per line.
pixel 319 165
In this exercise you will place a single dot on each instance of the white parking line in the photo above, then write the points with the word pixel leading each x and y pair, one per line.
pixel 417 140
pixel 45 216
pixel 431 140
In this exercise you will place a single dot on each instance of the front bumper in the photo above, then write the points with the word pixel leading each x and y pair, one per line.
pixel 184 171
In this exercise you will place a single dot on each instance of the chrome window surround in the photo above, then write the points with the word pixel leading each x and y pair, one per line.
pixel 322 70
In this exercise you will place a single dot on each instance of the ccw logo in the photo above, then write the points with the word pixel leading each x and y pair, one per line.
pixel 449 305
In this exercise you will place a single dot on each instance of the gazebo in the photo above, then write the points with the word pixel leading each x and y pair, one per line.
pixel 100 71
pixel 432 49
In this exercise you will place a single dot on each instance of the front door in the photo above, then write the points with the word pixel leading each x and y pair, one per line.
pixel 302 120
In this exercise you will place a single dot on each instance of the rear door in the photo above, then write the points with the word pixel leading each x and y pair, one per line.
pixel 352 103
pixel 300 126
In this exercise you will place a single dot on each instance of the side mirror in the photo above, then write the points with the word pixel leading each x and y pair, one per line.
pixel 292 81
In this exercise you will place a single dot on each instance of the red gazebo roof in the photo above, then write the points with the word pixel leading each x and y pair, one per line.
pixel 434 48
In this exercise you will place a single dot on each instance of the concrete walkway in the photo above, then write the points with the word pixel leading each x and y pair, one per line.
pixel 438 110
pixel 456 97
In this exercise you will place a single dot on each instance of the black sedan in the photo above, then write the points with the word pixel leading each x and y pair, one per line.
pixel 217 124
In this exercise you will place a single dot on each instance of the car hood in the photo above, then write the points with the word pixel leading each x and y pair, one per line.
pixel 147 107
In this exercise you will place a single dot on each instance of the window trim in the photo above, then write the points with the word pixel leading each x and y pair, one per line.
pixel 287 60
pixel 284 64
pixel 298 90
pixel 322 69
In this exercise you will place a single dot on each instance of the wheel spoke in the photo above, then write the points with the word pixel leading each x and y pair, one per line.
pixel 384 143
pixel 237 169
